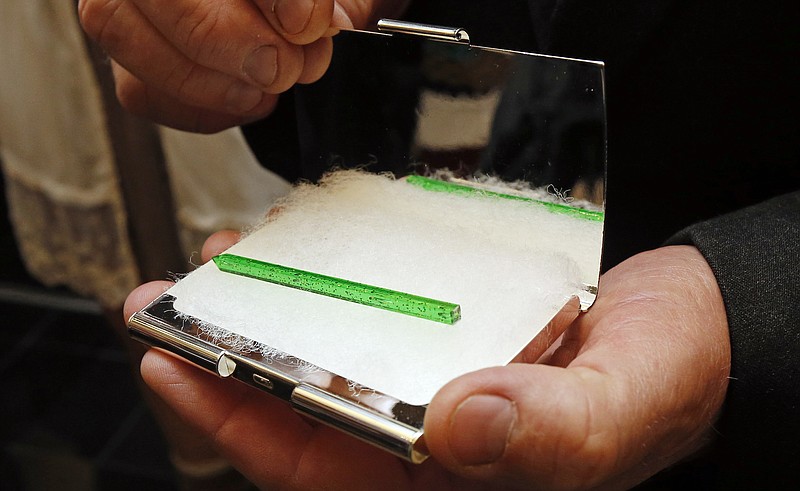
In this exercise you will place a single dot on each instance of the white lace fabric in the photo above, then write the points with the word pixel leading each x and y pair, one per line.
pixel 62 185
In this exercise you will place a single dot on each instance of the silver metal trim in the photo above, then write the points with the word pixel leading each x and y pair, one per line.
pixel 587 296
pixel 154 331
pixel 454 34
pixel 367 425
pixel 398 431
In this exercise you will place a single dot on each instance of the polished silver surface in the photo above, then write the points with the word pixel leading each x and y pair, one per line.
pixel 153 327
pixel 428 31
pixel 375 418
pixel 366 424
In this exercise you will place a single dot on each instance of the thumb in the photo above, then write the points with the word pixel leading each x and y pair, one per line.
pixel 525 425
pixel 304 21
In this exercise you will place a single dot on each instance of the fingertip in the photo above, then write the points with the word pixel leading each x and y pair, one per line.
pixel 242 98
pixel 469 422
pixel 506 422
pixel 218 243
pixel 189 390
pixel 317 59
pixel 130 91
pixel 340 19
pixel 480 429
pixel 153 366
pixel 176 379
pixel 274 68
pixel 299 21
pixel 142 295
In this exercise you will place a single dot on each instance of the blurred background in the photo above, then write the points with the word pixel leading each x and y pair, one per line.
pixel 72 415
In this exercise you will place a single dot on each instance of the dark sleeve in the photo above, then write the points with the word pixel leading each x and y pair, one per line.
pixel 755 256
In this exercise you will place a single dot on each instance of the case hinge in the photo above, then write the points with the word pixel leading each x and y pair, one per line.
pixel 452 34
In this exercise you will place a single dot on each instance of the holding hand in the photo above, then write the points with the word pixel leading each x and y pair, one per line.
pixel 634 387
pixel 205 65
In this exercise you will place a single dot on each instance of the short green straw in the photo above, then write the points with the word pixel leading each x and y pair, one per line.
pixel 372 296
pixel 451 187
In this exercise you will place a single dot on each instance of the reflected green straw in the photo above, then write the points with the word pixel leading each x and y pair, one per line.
pixel 451 187
pixel 371 296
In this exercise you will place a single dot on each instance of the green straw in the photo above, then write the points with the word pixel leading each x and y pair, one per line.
pixel 371 296
pixel 451 187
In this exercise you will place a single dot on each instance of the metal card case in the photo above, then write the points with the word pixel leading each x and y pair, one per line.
pixel 430 102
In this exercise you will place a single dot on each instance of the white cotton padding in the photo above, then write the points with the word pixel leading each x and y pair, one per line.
pixel 510 265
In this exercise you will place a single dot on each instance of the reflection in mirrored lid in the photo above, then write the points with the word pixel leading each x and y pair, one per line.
pixel 498 120
pixel 407 105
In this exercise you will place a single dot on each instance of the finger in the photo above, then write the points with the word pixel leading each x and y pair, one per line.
pixel 148 102
pixel 298 21
pixel 670 309
pixel 157 106
pixel 219 242
pixel 318 57
pixel 341 18
pixel 268 442
pixel 524 425
pixel 129 38
pixel 231 37
pixel 143 295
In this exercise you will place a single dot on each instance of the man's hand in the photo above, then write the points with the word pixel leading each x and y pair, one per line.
pixel 205 65
pixel 634 387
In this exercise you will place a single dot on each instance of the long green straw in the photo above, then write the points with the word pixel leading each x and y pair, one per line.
pixel 372 296
pixel 454 188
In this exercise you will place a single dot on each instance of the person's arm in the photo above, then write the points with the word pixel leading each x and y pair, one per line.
pixel 755 256
pixel 206 66
pixel 635 387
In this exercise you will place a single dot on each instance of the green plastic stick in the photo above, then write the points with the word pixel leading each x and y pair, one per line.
pixel 372 296
pixel 451 187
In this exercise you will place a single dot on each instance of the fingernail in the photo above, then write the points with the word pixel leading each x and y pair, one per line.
pixel 480 429
pixel 262 65
pixel 293 15
pixel 242 97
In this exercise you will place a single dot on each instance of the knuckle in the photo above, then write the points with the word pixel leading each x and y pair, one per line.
pixel 597 455
pixel 587 454
pixel 195 86
pixel 178 81
pixel 99 20
pixel 87 16
pixel 195 30
pixel 578 445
